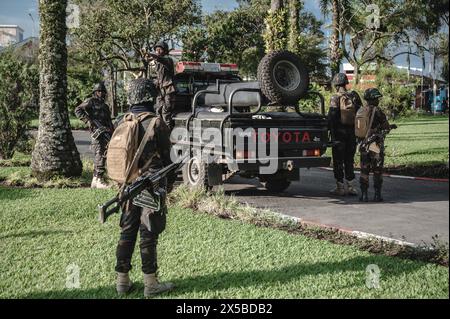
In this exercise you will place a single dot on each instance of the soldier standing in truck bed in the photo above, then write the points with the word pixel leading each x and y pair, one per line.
pixel 165 72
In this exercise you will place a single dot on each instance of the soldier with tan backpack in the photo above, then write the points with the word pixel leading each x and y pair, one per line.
pixel 343 108
pixel 371 127
pixel 140 145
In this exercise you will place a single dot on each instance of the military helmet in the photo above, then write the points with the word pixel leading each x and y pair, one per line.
pixel 162 45
pixel 340 79
pixel 99 87
pixel 141 91
pixel 372 94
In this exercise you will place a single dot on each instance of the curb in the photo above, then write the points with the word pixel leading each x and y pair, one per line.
pixel 428 179
pixel 355 233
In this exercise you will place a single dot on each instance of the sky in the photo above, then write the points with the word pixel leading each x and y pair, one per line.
pixel 23 12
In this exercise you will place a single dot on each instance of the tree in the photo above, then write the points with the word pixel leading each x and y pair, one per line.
pixel 55 152
pixel 18 99
pixel 227 37
pixel 335 8
pixel 380 32
pixel 116 31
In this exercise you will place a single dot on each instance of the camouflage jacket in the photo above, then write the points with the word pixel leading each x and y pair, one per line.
pixel 165 71
pixel 93 108
pixel 380 122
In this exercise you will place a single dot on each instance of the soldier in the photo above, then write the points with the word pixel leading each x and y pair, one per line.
pixel 95 108
pixel 341 116
pixel 165 72
pixel 155 156
pixel 372 147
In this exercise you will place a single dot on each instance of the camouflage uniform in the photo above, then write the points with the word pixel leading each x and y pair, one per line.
pixel 132 220
pixel 372 161
pixel 165 100
pixel 344 151
pixel 94 108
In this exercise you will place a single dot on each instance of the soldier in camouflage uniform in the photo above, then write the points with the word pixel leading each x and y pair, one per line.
pixel 165 72
pixel 344 151
pixel 156 155
pixel 372 148
pixel 95 108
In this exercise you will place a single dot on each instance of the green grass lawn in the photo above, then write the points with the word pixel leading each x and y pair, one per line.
pixel 418 141
pixel 45 230
pixel 75 124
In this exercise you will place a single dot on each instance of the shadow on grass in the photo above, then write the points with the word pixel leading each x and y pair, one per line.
pixel 211 283
pixel 428 151
pixel 36 233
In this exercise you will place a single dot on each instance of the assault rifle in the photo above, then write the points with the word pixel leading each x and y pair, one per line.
pixel 100 131
pixel 145 192
pixel 380 136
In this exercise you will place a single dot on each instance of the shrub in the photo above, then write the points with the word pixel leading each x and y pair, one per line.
pixel 18 100
pixel 397 89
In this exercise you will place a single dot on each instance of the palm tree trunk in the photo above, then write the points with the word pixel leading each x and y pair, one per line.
pixel 55 152
pixel 335 55
pixel 275 35
pixel 294 32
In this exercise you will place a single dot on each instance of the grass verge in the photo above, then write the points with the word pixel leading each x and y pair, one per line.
pixel 17 173
pixel 220 205
pixel 46 231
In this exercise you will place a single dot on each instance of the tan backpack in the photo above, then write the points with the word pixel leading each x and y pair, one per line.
pixel 363 121
pixel 347 108
pixel 124 150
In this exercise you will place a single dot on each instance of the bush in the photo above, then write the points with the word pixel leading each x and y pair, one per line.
pixel 19 83
pixel 397 89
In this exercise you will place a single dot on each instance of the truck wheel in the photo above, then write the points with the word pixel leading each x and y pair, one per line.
pixel 282 77
pixel 195 173
pixel 276 185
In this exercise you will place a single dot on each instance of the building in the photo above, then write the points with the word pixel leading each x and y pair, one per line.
pixel 10 34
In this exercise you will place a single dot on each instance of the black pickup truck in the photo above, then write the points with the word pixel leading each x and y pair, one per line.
pixel 224 123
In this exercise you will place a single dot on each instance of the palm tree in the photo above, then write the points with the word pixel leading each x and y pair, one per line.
pixel 333 7
pixel 55 152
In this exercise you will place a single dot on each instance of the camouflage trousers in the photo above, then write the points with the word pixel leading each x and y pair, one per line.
pixel 374 162
pixel 99 149
pixel 164 107
pixel 131 223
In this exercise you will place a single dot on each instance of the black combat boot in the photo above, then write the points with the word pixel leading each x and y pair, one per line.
pixel 364 197
pixel 378 197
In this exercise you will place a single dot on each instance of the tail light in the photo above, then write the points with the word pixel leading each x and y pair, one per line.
pixel 314 152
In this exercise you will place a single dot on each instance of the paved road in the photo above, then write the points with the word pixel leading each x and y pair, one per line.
pixel 413 210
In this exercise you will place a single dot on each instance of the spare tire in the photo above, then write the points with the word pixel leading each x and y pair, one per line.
pixel 282 77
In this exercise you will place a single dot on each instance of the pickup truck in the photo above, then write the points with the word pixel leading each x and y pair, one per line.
pixel 250 141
